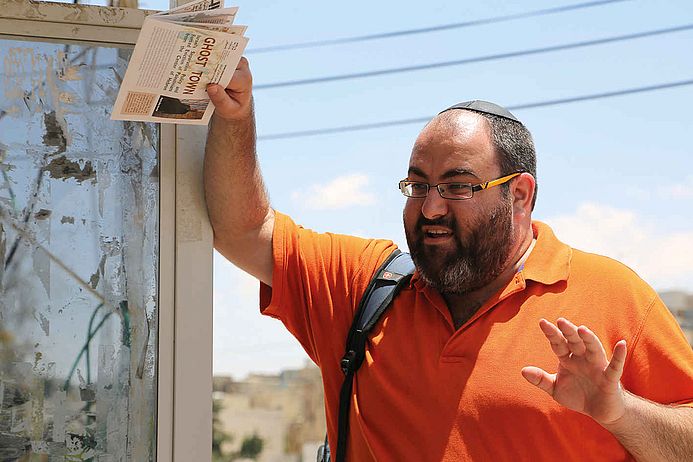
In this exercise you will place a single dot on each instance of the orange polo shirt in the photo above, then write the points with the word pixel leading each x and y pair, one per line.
pixel 428 392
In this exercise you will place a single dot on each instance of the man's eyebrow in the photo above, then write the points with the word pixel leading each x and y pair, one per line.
pixel 416 171
pixel 460 171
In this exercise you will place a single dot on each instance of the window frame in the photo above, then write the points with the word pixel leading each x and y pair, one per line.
pixel 184 370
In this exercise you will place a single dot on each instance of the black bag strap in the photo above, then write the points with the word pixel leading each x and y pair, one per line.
pixel 389 279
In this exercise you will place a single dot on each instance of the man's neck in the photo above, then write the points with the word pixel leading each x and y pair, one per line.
pixel 463 307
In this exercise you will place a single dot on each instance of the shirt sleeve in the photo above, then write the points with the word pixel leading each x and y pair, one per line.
pixel 661 364
pixel 317 282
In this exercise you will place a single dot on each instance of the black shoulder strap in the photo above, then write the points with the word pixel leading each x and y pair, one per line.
pixel 389 279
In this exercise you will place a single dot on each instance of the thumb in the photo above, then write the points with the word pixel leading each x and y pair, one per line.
pixel 539 378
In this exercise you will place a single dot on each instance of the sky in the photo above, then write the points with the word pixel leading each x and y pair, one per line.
pixel 615 174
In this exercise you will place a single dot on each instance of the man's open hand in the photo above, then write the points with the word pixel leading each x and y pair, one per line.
pixel 234 102
pixel 586 381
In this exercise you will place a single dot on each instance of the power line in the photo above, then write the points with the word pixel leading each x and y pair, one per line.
pixel 424 30
pixel 459 62
pixel 554 102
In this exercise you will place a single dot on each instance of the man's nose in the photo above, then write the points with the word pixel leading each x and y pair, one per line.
pixel 434 205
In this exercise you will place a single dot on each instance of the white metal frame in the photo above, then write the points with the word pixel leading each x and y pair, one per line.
pixel 184 415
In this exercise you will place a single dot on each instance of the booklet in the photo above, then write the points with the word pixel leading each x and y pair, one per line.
pixel 178 53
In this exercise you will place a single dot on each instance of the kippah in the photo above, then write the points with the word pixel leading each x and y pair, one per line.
pixel 485 107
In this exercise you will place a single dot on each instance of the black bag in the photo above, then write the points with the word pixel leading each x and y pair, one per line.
pixel 389 279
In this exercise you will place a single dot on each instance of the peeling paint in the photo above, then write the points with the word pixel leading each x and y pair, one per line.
pixel 122 17
pixel 42 214
pixel 63 169
pixel 88 393
pixel 54 134
pixel 112 15
pixel 96 277
pixel 67 97
pixel 69 73
pixel 77 372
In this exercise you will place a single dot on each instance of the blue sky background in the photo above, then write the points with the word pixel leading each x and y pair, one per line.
pixel 615 174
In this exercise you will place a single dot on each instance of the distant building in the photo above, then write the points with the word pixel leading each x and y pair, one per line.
pixel 285 410
pixel 681 306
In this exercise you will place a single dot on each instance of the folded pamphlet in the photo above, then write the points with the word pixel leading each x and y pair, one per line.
pixel 178 53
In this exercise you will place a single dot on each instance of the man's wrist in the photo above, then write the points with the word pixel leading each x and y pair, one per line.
pixel 631 404
pixel 242 125
pixel 241 117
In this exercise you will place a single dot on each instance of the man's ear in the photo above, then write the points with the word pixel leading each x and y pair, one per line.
pixel 523 188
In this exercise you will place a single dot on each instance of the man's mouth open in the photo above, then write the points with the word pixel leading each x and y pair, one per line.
pixel 436 235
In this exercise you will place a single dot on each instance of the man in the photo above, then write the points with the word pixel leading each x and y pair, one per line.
pixel 443 375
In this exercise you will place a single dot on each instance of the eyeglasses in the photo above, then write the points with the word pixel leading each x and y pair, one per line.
pixel 454 190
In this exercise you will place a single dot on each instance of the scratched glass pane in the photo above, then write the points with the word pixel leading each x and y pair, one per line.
pixel 78 259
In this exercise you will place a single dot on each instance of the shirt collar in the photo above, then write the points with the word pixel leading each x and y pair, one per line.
pixel 549 261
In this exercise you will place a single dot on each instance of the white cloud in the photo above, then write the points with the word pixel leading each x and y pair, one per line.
pixel 342 192
pixel 662 258
pixel 683 190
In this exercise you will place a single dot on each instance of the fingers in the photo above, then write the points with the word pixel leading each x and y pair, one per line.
pixel 594 350
pixel 559 344
pixel 570 332
pixel 539 378
pixel 242 80
pixel 614 370
pixel 567 339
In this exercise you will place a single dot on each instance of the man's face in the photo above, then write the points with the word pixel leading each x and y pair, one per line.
pixel 458 245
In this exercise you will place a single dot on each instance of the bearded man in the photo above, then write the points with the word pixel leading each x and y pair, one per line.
pixel 447 373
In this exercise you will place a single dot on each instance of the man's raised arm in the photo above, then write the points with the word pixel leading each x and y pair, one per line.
pixel 237 201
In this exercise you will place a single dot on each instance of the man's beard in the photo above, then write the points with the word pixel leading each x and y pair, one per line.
pixel 473 264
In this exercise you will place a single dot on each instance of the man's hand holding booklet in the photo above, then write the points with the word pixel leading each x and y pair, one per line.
pixel 178 53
